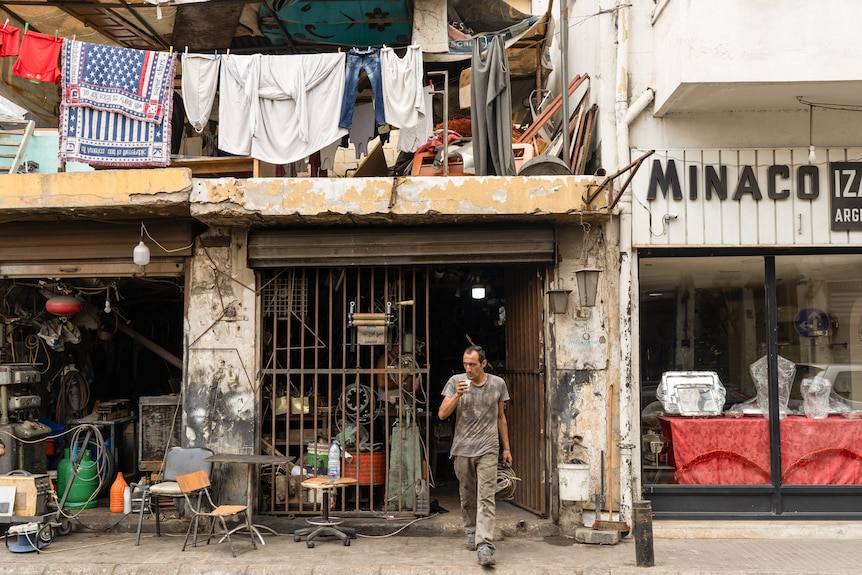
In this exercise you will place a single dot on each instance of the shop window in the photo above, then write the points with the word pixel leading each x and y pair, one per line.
pixel 709 315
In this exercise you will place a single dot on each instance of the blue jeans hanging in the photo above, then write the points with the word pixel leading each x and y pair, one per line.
pixel 357 61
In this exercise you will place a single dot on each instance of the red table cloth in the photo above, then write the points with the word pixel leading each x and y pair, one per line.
pixel 725 450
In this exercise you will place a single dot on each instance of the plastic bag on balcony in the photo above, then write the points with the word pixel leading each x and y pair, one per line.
pixel 786 371
pixel 815 397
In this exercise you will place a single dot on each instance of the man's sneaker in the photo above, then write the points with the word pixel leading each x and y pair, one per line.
pixel 471 542
pixel 486 556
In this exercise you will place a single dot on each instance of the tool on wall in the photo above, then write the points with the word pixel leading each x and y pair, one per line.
pixel 372 328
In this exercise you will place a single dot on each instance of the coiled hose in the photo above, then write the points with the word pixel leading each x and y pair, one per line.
pixel 73 394
pixel 506 482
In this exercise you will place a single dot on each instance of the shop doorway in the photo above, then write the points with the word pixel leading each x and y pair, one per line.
pixel 361 355
pixel 85 350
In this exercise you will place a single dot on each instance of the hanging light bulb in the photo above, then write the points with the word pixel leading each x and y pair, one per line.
pixel 812 157
pixel 478 291
pixel 141 254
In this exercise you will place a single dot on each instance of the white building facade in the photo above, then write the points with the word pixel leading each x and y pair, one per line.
pixel 741 242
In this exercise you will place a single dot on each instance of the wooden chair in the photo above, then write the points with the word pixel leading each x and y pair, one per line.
pixel 197 485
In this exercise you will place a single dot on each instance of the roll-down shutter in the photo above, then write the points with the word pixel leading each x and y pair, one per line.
pixel 87 248
pixel 401 246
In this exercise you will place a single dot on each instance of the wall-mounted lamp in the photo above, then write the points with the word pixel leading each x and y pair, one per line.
pixel 477 291
pixel 588 285
pixel 141 254
pixel 558 299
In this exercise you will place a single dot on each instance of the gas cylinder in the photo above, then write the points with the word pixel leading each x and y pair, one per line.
pixel 84 484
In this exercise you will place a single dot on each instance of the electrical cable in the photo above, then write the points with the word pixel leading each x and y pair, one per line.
pixel 506 482
pixel 402 528
pixel 66 396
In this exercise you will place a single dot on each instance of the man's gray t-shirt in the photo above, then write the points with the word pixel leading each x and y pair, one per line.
pixel 476 430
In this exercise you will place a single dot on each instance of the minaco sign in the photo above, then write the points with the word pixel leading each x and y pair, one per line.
pixel 714 182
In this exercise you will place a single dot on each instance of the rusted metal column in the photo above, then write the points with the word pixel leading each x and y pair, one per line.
pixel 642 519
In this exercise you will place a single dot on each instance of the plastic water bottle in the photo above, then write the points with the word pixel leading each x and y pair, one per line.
pixel 334 461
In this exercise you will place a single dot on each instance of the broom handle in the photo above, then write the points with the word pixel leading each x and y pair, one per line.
pixel 611 454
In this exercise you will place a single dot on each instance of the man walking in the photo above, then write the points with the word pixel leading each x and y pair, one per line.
pixel 477 398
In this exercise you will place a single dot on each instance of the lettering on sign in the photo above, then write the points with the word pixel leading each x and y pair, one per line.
pixel 717 183
pixel 845 195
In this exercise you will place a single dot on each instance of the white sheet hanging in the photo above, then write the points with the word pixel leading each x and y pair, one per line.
pixel 412 137
pixel 402 86
pixel 199 84
pixel 238 80
pixel 298 105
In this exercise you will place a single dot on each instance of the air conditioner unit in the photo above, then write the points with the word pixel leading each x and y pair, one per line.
pixel 160 417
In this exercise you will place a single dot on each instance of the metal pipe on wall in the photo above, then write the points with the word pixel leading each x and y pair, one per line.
pixel 150 345
pixel 625 287
pixel 564 65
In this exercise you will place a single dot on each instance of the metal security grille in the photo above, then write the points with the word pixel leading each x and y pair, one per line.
pixel 285 294
pixel 344 357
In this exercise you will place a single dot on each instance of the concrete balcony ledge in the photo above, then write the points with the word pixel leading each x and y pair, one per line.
pixel 170 192
pixel 103 193
pixel 398 200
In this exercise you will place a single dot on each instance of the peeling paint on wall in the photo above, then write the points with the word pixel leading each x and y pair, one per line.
pixel 220 391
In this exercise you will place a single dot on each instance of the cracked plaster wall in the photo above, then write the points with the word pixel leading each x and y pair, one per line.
pixel 219 397
pixel 585 343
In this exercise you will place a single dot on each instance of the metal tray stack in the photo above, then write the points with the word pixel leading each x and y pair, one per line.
pixel 691 393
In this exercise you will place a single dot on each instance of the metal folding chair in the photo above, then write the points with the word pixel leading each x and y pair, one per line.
pixel 178 461
pixel 198 484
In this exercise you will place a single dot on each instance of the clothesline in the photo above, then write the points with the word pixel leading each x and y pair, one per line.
pixel 117 103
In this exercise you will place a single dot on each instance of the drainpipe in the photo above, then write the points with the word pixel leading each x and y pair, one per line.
pixel 624 115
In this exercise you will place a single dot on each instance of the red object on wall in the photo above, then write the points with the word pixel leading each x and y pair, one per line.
pixel 64 305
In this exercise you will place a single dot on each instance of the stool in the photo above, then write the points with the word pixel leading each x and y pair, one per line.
pixel 324 524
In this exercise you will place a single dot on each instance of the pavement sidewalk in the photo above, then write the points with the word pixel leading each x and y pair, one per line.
pixel 399 552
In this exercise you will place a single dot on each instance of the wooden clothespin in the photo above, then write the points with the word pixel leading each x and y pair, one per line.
pixel 227 55
pixel 74 36
pixel 6 23
pixel 171 51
